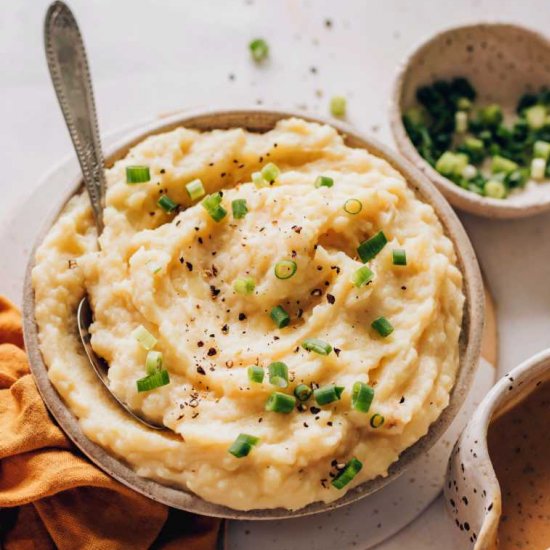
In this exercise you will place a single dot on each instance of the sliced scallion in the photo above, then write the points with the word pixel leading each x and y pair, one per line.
pixel 302 392
pixel 399 257
pixel 285 269
pixel 256 374
pixel 153 381
pixel 280 317
pixel 153 362
pixel 382 326
pixel 361 397
pixel 328 394
pixel 195 189
pixel 362 276
pixel 259 49
pixel 212 204
pixel 280 402
pixel 278 374
pixel 270 172
pixel 145 339
pixel 353 206
pixel 244 285
pixel 242 446
pixel 316 345
pixel 324 181
pixel 368 249
pixel 239 208
pixel 137 174
pixel 376 420
pixel 338 106
pixel 167 204
pixel 258 180
pixel 351 469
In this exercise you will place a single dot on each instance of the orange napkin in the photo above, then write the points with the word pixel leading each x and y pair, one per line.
pixel 51 496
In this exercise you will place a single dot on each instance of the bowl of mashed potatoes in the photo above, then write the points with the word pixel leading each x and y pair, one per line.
pixel 298 307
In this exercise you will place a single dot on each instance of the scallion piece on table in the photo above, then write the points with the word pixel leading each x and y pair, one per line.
pixel 376 420
pixel 259 49
pixel 167 204
pixel 362 276
pixel 538 167
pixel 213 205
pixel 145 339
pixel 316 345
pixel 242 446
pixel 244 285
pixel 399 257
pixel 285 269
pixel 280 317
pixel 270 172
pixel 278 374
pixel 351 469
pixel 195 189
pixel 353 206
pixel 256 374
pixel 302 392
pixel 328 394
pixel 137 174
pixel 382 326
pixel 338 106
pixel 361 397
pixel 495 189
pixel 323 181
pixel 153 362
pixel 368 249
pixel 153 381
pixel 280 402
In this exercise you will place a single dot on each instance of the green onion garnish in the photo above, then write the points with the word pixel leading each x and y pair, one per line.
pixel 376 420
pixel 324 181
pixel 382 326
pixel 239 208
pixel 258 180
pixel 195 189
pixel 280 317
pixel 399 257
pixel 495 189
pixel 353 206
pixel 137 174
pixel 153 381
pixel 302 392
pixel 212 204
pixel 285 269
pixel 278 374
pixel 144 337
pixel 316 345
pixel 243 445
pixel 328 394
pixel 280 402
pixel 351 469
pixel 338 106
pixel 362 276
pixel 368 249
pixel 167 204
pixel 538 168
pixel 244 285
pixel 270 172
pixel 259 49
pixel 361 397
pixel 256 374
pixel 153 362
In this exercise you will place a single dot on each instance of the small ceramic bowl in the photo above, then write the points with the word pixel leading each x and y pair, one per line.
pixel 502 62
pixel 472 491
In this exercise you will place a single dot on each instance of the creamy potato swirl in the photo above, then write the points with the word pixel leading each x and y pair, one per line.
pixel 175 275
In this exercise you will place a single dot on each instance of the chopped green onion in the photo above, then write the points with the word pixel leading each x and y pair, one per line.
pixel 137 174
pixel 278 374
pixel 399 257
pixel 280 317
pixel 212 204
pixel 451 164
pixel 167 204
pixel 302 392
pixel 351 469
pixel 495 189
pixel 538 167
pixel 502 164
pixel 328 394
pixel 461 122
pixel 368 249
pixel 316 345
pixel 541 150
pixel 244 285
pixel 382 326
pixel 256 374
pixel 361 397
pixel 324 181
pixel 144 337
pixel 353 206
pixel 536 116
pixel 153 362
pixel 242 446
pixel 491 115
pixel 362 276
pixel 153 381
pixel 195 189
pixel 285 269
pixel 239 208
pixel 270 172
pixel 259 49
pixel 258 180
pixel 464 104
pixel 469 172
pixel 280 402
pixel 338 106
pixel 376 420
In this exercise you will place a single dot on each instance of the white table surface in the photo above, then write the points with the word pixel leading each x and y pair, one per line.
pixel 153 56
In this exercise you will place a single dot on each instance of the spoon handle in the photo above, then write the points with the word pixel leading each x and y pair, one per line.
pixel 70 75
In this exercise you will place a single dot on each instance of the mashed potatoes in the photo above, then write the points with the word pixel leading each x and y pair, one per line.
pixel 174 273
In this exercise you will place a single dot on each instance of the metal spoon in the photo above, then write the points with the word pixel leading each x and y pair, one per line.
pixel 68 67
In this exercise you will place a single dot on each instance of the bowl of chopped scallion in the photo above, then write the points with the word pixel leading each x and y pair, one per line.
pixel 471 109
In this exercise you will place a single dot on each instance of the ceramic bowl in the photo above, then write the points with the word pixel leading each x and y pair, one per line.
pixel 470 339
pixel 472 491
pixel 502 62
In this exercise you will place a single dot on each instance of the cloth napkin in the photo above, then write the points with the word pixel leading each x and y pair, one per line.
pixel 51 496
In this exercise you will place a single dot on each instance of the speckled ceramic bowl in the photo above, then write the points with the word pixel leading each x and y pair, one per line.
pixel 502 62
pixel 472 491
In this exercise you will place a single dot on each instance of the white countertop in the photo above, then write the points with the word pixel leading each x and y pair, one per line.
pixel 155 56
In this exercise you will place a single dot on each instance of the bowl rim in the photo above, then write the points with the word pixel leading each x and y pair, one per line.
pixel 465 200
pixel 261 120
